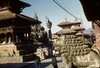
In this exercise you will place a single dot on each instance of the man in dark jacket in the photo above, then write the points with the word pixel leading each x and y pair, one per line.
pixel 54 62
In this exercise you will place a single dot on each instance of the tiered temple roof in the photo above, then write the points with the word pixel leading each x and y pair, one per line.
pixel 15 6
pixel 65 24
pixel 78 28
pixel 15 21
pixel 66 31
pixel 66 28
pixel 71 28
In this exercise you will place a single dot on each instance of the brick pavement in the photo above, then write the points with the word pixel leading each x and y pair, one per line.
pixel 44 64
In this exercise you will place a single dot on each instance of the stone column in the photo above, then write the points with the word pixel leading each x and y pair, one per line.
pixel 49 25
pixel 9 39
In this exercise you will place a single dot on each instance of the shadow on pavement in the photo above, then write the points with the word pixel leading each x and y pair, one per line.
pixel 28 64
pixel 46 64
pixel 18 65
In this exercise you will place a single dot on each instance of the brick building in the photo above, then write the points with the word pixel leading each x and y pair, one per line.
pixel 92 12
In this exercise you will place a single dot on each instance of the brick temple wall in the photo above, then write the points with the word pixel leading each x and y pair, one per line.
pixel 96 31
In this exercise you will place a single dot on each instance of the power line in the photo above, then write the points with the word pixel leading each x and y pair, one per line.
pixel 65 9
pixel 71 9
pixel 65 4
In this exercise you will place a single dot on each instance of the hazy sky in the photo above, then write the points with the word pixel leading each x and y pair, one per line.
pixel 56 14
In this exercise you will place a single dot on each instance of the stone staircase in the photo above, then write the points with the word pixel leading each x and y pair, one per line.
pixel 15 54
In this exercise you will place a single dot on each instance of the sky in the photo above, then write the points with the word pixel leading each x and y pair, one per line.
pixel 56 14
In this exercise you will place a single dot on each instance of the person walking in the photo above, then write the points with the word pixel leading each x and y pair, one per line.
pixel 54 62
pixel 37 61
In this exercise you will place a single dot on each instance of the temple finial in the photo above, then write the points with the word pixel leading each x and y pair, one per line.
pixel 48 23
pixel 47 19
pixel 65 19
pixel 35 16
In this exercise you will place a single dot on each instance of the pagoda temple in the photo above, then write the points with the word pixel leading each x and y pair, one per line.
pixel 70 43
pixel 66 25
pixel 19 34
pixel 79 29
pixel 63 33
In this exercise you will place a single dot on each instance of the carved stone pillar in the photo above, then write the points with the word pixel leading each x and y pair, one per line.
pixel 9 39
pixel 17 39
pixel 5 38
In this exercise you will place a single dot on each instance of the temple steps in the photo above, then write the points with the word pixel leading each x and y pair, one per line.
pixel 21 46
pixel 16 59
pixel 10 54
pixel 25 52
pixel 28 57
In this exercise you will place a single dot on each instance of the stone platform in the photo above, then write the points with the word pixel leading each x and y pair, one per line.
pixel 10 54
